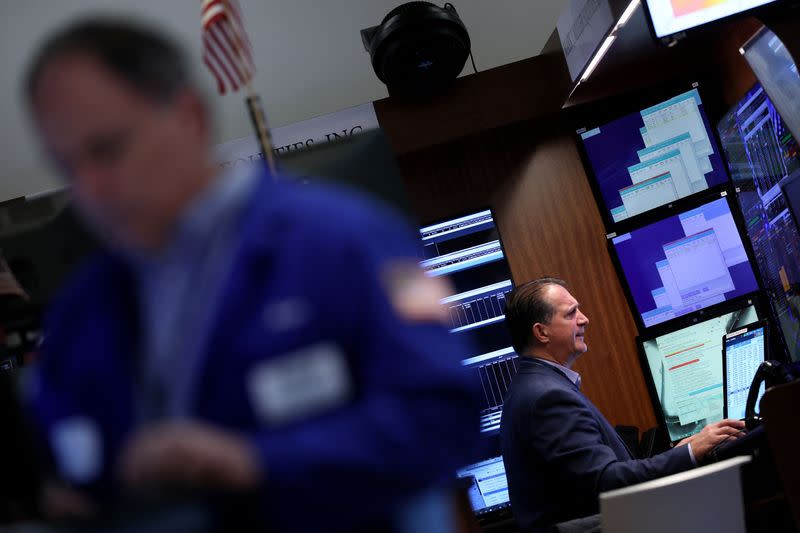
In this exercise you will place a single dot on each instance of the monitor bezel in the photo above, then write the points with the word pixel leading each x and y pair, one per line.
pixel 758 324
pixel 671 38
pixel 674 209
pixel 754 299
pixel 612 109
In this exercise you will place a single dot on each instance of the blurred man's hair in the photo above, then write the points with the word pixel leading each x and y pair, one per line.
pixel 525 306
pixel 145 59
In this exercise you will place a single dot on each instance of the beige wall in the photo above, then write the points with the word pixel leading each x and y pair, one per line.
pixel 309 55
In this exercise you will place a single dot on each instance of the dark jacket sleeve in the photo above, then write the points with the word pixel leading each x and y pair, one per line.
pixel 566 432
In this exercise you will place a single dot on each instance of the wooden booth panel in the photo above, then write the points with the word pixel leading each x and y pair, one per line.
pixel 532 176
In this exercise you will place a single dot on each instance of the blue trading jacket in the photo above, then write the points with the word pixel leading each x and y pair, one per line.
pixel 307 282
pixel 560 452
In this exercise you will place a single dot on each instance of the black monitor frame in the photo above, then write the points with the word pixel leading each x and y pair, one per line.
pixel 672 38
pixel 608 110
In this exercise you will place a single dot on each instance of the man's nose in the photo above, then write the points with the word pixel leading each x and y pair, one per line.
pixel 89 181
pixel 583 320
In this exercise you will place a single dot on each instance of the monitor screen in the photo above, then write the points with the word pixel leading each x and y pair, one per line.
pixel 654 156
pixel 777 72
pixel 762 154
pixel 685 263
pixel 674 16
pixel 744 352
pixel 488 489
pixel 685 369
pixel 467 249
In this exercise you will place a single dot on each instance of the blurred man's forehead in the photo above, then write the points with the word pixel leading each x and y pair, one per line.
pixel 76 98
pixel 80 79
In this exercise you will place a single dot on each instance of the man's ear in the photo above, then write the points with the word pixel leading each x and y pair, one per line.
pixel 539 332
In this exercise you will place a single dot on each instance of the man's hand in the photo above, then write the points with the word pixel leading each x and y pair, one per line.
pixel 712 435
pixel 190 455
pixel 60 502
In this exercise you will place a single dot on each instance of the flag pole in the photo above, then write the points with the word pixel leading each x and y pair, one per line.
pixel 259 120
pixel 227 55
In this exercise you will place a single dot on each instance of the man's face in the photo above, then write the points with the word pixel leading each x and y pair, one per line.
pixel 565 332
pixel 130 161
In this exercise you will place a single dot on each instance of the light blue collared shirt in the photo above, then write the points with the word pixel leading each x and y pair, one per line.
pixel 571 374
pixel 179 292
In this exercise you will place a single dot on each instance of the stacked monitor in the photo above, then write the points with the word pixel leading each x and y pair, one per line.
pixel 675 234
pixel 773 65
pixel 763 155
pixel 653 156
pixel 685 262
pixel 686 372
pixel 467 249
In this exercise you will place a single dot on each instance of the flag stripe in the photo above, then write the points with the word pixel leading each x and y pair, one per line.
pixel 212 51
pixel 226 47
pixel 215 73
pixel 227 53
pixel 220 69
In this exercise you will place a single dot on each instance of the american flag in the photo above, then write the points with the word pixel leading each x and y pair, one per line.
pixel 226 48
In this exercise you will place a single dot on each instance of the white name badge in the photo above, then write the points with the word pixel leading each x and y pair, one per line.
pixel 300 384
pixel 78 448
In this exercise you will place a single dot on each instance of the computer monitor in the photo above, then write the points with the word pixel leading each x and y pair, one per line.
pixel 743 351
pixel 684 371
pixel 467 249
pixel 488 488
pixel 764 160
pixel 653 156
pixel 363 162
pixel 669 17
pixel 775 69
pixel 684 263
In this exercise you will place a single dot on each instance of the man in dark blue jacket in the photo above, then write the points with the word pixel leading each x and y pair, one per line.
pixel 239 334
pixel 559 451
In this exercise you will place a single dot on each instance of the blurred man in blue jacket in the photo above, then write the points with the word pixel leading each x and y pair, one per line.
pixel 239 334
pixel 559 451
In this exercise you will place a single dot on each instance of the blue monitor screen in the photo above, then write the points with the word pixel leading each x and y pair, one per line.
pixel 655 156
pixel 467 250
pixel 744 352
pixel 685 367
pixel 685 263
pixel 762 153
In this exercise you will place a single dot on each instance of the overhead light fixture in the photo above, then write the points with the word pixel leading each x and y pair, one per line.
pixel 628 13
pixel 609 40
pixel 598 56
